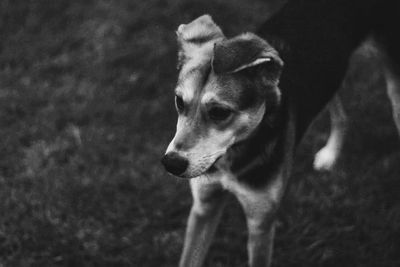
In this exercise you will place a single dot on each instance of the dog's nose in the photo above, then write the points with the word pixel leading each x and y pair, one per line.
pixel 174 163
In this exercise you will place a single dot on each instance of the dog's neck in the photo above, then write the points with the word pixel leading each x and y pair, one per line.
pixel 257 158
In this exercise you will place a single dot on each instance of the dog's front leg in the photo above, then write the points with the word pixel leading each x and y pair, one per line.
pixel 260 208
pixel 260 243
pixel 208 203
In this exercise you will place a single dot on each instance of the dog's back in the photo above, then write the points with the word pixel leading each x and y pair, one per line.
pixel 324 34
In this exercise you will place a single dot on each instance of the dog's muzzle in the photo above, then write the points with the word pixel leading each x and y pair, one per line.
pixel 174 163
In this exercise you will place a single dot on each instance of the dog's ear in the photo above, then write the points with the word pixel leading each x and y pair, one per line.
pixel 199 34
pixel 245 52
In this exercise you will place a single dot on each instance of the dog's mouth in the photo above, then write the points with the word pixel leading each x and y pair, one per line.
pixel 220 163
pixel 213 168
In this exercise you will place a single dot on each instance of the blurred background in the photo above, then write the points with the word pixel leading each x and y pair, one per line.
pixel 86 112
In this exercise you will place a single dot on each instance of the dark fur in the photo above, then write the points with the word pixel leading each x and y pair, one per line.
pixel 315 39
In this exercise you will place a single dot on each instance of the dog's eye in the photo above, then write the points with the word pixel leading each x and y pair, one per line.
pixel 179 103
pixel 219 113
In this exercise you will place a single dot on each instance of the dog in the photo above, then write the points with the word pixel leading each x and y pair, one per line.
pixel 244 104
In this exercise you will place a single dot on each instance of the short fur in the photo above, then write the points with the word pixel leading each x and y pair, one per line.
pixel 272 85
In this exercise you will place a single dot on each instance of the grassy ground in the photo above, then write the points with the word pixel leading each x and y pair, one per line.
pixel 86 112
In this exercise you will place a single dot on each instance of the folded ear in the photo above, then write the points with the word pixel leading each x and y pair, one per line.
pixel 245 52
pixel 198 34
pixel 200 30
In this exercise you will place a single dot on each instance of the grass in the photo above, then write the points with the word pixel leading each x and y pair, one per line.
pixel 86 91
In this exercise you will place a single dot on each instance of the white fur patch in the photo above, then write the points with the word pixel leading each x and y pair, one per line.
pixel 326 158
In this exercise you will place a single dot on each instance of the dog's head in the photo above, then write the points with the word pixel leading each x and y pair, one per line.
pixel 224 89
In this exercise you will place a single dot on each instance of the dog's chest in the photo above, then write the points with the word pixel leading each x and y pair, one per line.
pixel 230 183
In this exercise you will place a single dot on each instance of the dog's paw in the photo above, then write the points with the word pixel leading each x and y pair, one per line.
pixel 325 159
